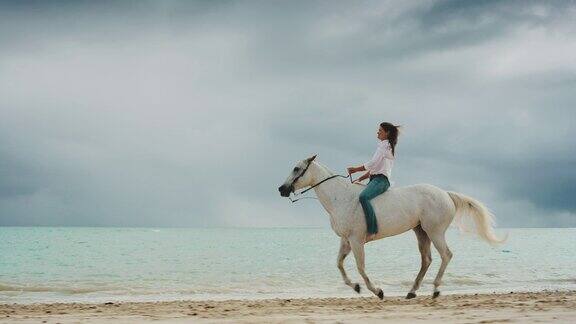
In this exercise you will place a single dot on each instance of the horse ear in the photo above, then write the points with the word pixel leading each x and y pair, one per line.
pixel 310 159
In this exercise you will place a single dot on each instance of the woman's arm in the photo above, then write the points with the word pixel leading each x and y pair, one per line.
pixel 378 155
pixel 355 169
pixel 364 176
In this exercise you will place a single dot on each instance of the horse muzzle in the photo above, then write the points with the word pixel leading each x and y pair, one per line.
pixel 285 190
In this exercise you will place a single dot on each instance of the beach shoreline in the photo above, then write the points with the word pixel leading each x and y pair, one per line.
pixel 557 306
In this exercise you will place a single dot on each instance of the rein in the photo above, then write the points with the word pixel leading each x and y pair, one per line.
pixel 319 183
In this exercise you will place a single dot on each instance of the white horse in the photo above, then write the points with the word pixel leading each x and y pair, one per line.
pixel 426 209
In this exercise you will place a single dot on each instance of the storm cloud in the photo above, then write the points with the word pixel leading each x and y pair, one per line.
pixel 182 113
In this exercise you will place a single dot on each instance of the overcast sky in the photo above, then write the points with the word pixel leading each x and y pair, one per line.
pixel 182 113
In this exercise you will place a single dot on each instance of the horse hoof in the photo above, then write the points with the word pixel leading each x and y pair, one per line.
pixel 436 294
pixel 381 294
pixel 357 288
pixel 410 295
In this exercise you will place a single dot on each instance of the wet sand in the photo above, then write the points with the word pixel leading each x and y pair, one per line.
pixel 551 306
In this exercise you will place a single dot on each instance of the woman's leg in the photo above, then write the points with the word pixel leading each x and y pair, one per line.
pixel 375 187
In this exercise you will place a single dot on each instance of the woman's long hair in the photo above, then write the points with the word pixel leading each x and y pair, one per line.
pixel 392 133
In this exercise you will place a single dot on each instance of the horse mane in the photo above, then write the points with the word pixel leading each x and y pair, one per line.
pixel 331 173
pixel 324 167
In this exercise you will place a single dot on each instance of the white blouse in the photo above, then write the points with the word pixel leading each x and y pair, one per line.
pixel 382 161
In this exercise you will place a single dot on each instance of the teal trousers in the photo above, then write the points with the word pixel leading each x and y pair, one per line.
pixel 377 185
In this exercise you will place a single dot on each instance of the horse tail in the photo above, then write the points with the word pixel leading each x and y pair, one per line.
pixel 482 217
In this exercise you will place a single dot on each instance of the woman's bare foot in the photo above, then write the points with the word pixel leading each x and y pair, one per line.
pixel 370 237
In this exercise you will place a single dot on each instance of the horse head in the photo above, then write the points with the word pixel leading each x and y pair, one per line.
pixel 298 178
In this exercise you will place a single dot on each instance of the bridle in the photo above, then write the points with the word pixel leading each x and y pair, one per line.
pixel 313 186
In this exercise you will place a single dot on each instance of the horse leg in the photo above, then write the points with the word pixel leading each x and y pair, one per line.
pixel 344 250
pixel 424 247
pixel 358 250
pixel 439 241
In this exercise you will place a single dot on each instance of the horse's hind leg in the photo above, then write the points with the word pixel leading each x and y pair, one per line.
pixel 426 254
pixel 439 241
pixel 358 250
pixel 344 250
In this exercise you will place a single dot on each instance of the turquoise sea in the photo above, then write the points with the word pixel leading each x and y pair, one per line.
pixel 43 264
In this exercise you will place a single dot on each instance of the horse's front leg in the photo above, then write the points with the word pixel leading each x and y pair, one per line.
pixel 344 250
pixel 358 250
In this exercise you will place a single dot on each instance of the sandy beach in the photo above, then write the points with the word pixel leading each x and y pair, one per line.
pixel 473 308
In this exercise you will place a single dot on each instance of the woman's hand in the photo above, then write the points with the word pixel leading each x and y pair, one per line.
pixel 357 181
pixel 355 169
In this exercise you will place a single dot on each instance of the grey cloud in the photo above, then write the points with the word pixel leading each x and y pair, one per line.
pixel 192 113
pixel 550 184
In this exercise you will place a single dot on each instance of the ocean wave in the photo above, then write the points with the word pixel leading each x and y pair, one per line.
pixel 58 289
pixel 448 281
pixel 561 280
pixel 108 289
